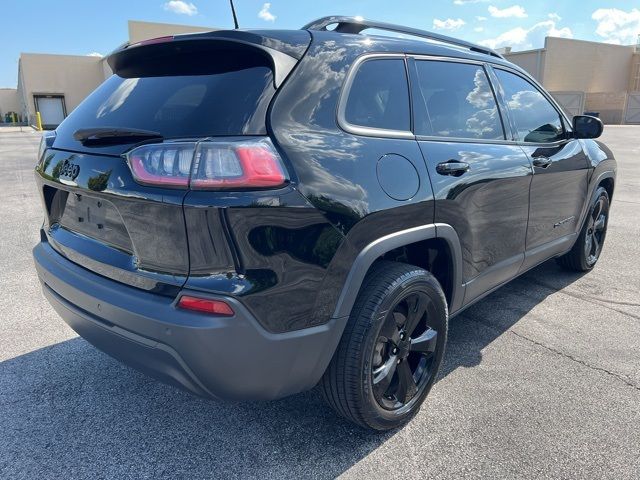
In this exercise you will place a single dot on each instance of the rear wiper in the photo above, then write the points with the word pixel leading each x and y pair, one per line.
pixel 114 135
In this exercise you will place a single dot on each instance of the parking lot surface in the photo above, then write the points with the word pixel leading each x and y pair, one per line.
pixel 541 378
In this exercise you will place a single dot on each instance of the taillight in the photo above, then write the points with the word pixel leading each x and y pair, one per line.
pixel 205 305
pixel 243 165
pixel 208 164
pixel 163 164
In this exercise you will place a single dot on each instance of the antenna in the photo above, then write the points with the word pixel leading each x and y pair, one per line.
pixel 233 11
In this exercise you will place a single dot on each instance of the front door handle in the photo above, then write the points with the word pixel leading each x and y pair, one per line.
pixel 452 167
pixel 542 162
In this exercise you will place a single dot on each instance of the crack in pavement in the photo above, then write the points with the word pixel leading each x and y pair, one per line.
pixel 619 376
pixel 588 298
pixel 623 378
pixel 616 302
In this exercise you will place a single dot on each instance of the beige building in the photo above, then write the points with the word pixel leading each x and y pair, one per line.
pixel 587 76
pixel 55 84
pixel 139 31
pixel 582 76
pixel 8 102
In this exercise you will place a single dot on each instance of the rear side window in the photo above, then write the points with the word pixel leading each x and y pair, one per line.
pixel 533 115
pixel 379 96
pixel 458 102
pixel 177 105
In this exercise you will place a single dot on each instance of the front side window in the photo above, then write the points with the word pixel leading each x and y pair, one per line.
pixel 533 115
pixel 379 96
pixel 459 102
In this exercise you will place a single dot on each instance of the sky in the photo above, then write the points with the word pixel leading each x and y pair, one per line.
pixel 88 27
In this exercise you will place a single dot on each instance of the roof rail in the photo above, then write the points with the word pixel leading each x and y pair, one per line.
pixel 358 24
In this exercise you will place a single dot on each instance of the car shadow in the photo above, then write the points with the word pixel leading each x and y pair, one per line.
pixel 69 410
pixel 480 324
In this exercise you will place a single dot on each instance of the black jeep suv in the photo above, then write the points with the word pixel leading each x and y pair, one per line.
pixel 248 214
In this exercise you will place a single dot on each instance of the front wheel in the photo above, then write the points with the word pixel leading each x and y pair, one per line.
pixel 588 247
pixel 391 350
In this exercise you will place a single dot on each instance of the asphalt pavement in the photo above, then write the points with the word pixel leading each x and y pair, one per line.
pixel 541 379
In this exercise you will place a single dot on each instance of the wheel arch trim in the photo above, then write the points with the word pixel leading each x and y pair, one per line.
pixel 603 176
pixel 382 245
pixel 592 189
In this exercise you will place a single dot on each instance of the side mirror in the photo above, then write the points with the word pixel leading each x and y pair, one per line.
pixel 585 126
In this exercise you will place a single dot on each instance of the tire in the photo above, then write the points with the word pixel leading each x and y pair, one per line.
pixel 588 247
pixel 395 335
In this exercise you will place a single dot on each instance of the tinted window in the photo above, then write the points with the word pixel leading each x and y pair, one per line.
pixel 225 103
pixel 535 118
pixel 459 102
pixel 379 96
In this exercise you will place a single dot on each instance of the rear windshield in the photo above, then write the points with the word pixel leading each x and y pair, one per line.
pixel 225 103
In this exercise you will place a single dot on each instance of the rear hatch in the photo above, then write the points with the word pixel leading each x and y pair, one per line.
pixel 172 91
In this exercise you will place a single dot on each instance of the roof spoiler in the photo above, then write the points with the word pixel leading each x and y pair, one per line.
pixel 124 60
pixel 358 24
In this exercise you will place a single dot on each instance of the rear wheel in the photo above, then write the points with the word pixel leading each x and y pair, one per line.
pixel 391 350
pixel 586 251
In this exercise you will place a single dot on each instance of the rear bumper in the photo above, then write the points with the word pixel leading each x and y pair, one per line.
pixel 226 357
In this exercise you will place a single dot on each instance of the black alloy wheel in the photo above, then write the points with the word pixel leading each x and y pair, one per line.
pixel 596 230
pixel 391 349
pixel 404 354
pixel 588 247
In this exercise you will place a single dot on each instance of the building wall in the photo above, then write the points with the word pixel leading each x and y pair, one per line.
pixel 22 98
pixel 139 31
pixel 603 73
pixel 610 106
pixel 8 101
pixel 106 69
pixel 531 60
pixel 73 76
pixel 634 77
pixel 586 66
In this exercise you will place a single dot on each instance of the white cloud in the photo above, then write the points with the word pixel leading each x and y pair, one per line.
pixel 464 2
pixel 555 17
pixel 481 18
pixel 510 12
pixel 478 29
pixel 448 24
pixel 181 8
pixel 617 26
pixel 94 54
pixel 265 14
pixel 528 37
pixel 510 38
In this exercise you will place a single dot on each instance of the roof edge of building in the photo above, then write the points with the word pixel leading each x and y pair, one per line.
pixel 180 25
pixel 542 49
pixel 587 41
pixel 42 54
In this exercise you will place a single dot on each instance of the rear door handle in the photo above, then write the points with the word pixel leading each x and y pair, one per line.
pixel 452 167
pixel 542 162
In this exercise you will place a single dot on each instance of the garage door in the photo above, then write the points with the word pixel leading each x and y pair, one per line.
pixel 632 115
pixel 51 110
pixel 571 102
